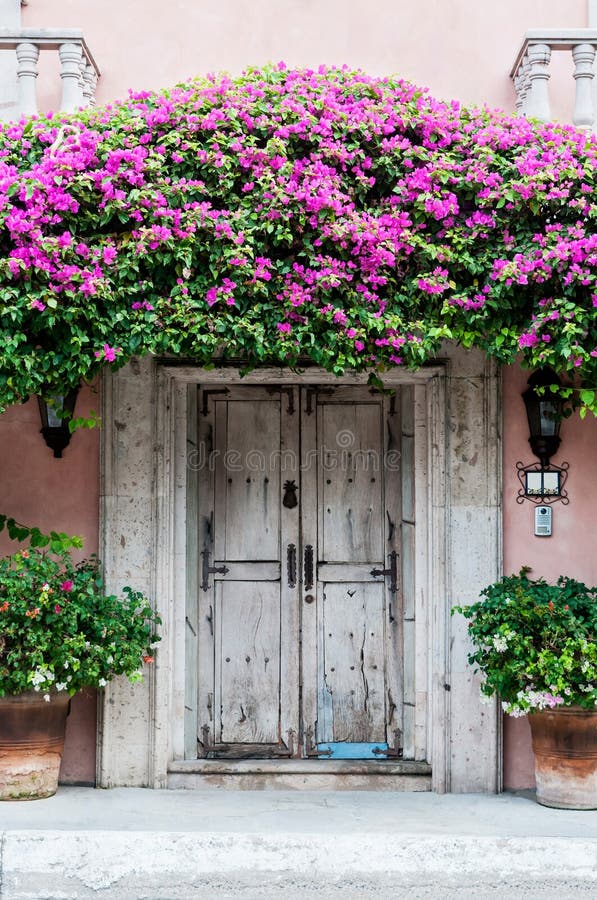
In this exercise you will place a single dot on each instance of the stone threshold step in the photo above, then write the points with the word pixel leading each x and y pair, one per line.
pixel 301 766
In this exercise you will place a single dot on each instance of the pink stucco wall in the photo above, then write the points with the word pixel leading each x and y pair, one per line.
pixel 570 550
pixel 462 49
pixel 60 495
pixel 54 494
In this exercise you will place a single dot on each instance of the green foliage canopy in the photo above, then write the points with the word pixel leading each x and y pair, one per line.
pixel 287 215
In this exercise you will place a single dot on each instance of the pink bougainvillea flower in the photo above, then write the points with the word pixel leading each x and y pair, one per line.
pixel 67 586
pixel 528 340
pixel 109 255
pixel 108 353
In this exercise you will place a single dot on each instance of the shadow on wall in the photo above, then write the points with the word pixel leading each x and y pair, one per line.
pixel 78 761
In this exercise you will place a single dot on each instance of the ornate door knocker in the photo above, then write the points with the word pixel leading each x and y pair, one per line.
pixel 290 499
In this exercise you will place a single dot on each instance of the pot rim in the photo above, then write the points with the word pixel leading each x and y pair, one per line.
pixel 29 697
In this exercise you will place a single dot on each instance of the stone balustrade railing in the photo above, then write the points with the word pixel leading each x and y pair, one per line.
pixel 78 70
pixel 530 72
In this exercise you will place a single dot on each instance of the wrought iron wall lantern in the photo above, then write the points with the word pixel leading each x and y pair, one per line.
pixel 55 414
pixel 543 482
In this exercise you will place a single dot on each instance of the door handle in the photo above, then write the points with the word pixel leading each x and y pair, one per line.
pixel 291 565
pixel 308 568
pixel 391 572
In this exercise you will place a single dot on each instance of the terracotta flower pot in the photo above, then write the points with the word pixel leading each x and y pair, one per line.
pixel 31 744
pixel 565 748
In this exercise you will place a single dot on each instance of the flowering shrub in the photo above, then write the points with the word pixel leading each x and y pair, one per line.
pixel 535 643
pixel 59 631
pixel 327 215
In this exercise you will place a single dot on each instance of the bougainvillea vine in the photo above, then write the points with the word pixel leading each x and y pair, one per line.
pixel 282 216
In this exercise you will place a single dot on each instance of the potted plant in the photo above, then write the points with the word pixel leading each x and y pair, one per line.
pixel 535 644
pixel 59 632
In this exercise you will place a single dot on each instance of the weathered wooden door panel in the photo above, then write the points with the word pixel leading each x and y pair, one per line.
pixel 248 678
pixel 248 480
pixel 350 485
pixel 352 632
pixel 248 611
pixel 351 663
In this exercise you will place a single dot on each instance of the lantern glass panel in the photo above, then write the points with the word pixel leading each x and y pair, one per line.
pixel 55 410
pixel 551 484
pixel 534 484
pixel 549 424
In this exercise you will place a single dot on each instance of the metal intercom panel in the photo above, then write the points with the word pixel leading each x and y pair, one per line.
pixel 543 515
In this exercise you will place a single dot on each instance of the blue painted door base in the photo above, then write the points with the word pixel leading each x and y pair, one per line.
pixel 352 750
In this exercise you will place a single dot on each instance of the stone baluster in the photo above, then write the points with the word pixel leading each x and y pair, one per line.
pixel 584 58
pixel 27 57
pixel 526 82
pixel 70 72
pixel 522 84
pixel 537 105
pixel 518 89
pixel 82 67
pixel 89 85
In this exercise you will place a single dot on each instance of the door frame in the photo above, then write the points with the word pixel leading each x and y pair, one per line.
pixel 147 472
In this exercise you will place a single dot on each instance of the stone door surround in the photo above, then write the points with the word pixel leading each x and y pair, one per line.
pixel 451 413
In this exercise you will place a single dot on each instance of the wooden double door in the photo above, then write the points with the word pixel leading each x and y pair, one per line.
pixel 300 638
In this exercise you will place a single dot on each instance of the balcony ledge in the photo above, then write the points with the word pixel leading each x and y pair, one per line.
pixel 556 38
pixel 48 38
pixel 530 72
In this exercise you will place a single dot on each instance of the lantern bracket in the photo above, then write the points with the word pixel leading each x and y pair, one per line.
pixel 542 485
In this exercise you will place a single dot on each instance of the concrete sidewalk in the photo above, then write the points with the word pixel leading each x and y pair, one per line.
pixel 170 845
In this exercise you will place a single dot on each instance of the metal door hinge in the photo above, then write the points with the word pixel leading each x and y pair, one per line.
pixel 310 746
pixel 289 391
pixel 313 392
pixel 207 570
pixel 208 394
pixel 391 572
pixel 394 752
